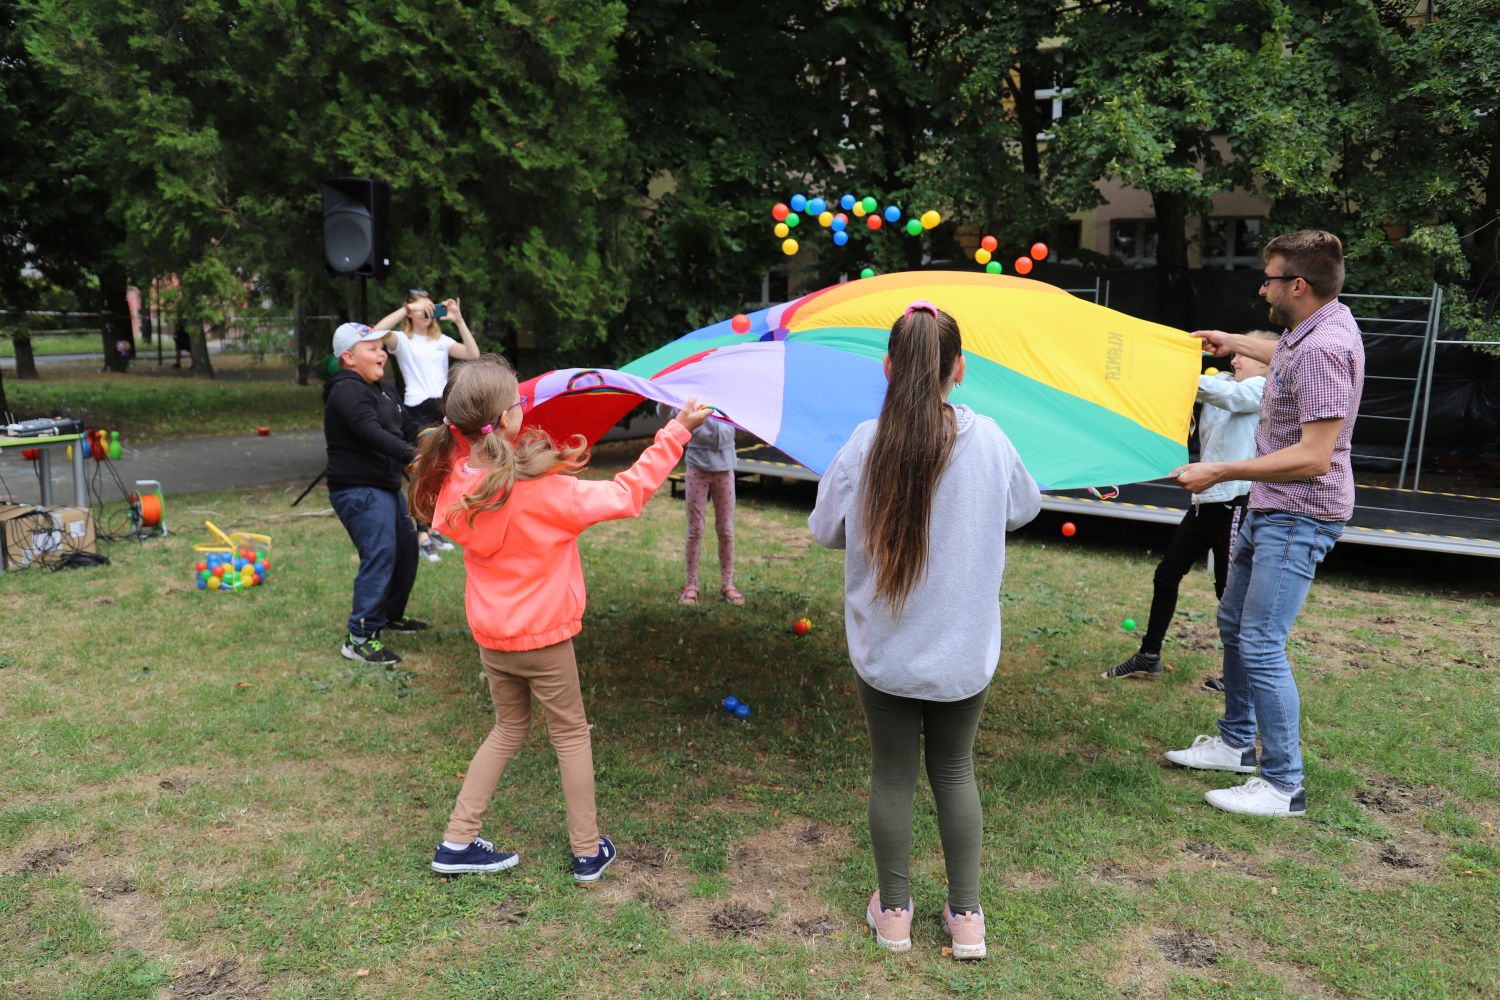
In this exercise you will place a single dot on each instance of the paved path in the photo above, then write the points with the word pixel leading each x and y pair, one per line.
pixel 196 465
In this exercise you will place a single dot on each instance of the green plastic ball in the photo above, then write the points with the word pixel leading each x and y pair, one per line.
pixel 914 227
pixel 870 204
pixel 994 267
pixel 868 272
pixel 1128 624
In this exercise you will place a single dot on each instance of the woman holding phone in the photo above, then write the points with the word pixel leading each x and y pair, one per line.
pixel 424 351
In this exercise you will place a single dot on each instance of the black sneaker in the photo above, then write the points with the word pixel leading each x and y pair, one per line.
pixel 1145 664
pixel 588 869
pixel 1214 683
pixel 368 650
pixel 480 856
pixel 407 625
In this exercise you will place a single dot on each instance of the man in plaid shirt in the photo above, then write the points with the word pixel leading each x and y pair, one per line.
pixel 1303 493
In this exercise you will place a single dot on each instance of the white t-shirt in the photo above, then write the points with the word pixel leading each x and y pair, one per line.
pixel 424 365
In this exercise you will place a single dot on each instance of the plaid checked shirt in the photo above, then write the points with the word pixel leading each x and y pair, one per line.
pixel 1317 373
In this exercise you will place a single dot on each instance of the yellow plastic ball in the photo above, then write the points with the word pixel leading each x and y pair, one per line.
pixel 858 210
pixel 825 220
pixel 788 247
pixel 1210 371
pixel 781 230
pixel 981 256
pixel 931 219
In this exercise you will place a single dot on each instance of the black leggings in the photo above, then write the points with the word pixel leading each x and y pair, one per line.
pixel 1206 527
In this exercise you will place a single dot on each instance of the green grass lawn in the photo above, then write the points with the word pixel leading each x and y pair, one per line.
pixel 65 343
pixel 199 797
pixel 152 403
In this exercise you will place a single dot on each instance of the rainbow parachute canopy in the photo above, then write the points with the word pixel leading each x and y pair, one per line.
pixel 1089 396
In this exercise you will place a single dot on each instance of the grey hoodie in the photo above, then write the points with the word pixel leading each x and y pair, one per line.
pixel 946 644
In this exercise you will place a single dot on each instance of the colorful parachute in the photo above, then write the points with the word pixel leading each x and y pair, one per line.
pixel 1089 396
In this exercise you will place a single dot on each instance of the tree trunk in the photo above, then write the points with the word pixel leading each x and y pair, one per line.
pixel 201 365
pixel 300 343
pixel 1027 119
pixel 25 357
pixel 1171 228
pixel 4 406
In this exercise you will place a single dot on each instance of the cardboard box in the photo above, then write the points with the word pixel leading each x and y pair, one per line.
pixel 30 534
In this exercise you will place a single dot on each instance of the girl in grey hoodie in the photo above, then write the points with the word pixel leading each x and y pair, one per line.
pixel 921 499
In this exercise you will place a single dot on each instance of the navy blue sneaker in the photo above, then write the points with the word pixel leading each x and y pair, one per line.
pixel 588 869
pixel 479 856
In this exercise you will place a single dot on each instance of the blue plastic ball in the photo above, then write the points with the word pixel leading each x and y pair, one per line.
pixel 798 202
pixel 840 238
pixel 892 213
pixel 846 202
pixel 838 225
pixel 816 206
pixel 202 583
pixel 731 703
pixel 742 711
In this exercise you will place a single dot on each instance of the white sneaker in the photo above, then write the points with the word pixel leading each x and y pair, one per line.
pixel 1211 753
pixel 1258 797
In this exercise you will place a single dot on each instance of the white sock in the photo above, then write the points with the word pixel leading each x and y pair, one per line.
pixel 454 847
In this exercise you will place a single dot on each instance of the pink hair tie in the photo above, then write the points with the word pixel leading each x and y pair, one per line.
pixel 447 422
pixel 920 305
pixel 487 429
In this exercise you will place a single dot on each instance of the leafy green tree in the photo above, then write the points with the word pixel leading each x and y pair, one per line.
pixel 493 125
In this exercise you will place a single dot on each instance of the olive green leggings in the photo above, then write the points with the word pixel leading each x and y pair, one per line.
pixel 900 730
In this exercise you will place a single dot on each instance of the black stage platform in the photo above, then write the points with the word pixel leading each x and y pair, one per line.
pixel 1402 519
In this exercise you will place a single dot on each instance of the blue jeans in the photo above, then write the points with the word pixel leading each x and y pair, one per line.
pixel 1275 557
pixel 387 542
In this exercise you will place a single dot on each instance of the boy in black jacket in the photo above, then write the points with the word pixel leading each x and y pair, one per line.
pixel 366 456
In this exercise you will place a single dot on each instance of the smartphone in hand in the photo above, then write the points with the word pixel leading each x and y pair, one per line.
pixel 440 311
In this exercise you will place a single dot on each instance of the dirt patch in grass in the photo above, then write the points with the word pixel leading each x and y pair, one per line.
pixel 1394 798
pixel 737 920
pixel 1139 970
pixel 221 980
pixel 1132 876
pixel 47 860
pixel 1188 948
pixel 134 920
pixel 771 887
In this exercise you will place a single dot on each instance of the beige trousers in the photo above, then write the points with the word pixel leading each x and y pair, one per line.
pixel 551 674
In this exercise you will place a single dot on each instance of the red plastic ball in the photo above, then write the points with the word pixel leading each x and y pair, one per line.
pixel 1039 251
pixel 779 211
pixel 200 565
pixel 740 323
pixel 990 243
pixel 1023 265
pixel 802 626
pixel 1069 529
pixel 874 221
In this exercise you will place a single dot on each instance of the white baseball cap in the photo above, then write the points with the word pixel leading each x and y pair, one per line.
pixel 349 334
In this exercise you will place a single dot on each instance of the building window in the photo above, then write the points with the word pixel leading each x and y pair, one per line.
pixel 1133 241
pixel 1050 102
pixel 1231 243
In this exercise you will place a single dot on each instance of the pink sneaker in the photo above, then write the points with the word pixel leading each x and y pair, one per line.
pixel 892 927
pixel 967 933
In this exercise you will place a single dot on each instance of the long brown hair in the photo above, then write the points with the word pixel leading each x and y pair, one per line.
pixel 913 442
pixel 478 393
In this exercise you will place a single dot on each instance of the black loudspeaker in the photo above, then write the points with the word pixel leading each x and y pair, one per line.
pixel 354 214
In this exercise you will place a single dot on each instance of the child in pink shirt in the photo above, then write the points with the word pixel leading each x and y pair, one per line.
pixel 514 503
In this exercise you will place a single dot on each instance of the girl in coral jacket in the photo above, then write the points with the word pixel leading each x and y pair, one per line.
pixel 515 504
